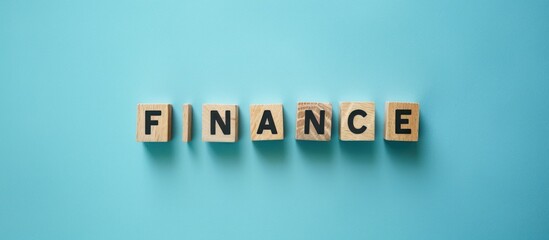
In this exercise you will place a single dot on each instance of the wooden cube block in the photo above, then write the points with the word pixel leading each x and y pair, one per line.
pixel 266 122
pixel 314 121
pixel 401 121
pixel 187 122
pixel 154 122
pixel 219 123
pixel 357 121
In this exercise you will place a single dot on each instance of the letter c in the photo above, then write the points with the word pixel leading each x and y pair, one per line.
pixel 350 121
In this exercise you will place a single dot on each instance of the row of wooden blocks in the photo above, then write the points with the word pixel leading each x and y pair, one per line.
pixel 314 122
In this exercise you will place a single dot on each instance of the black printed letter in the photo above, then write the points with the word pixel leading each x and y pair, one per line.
pixel 399 121
pixel 263 125
pixel 310 118
pixel 352 117
pixel 225 126
pixel 149 122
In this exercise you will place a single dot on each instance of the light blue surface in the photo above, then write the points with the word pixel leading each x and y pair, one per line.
pixel 72 73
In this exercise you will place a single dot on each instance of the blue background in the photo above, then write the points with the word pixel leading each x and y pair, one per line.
pixel 72 73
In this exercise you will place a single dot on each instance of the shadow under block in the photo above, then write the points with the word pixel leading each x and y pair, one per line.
pixel 219 123
pixel 401 121
pixel 154 122
pixel 187 122
pixel 314 121
pixel 357 121
pixel 266 122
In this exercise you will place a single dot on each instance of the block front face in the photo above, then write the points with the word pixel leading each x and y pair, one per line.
pixel 402 121
pixel 266 122
pixel 154 122
pixel 219 123
pixel 357 121
pixel 314 121
pixel 187 122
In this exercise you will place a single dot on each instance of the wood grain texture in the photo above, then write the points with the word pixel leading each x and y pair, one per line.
pixel 162 132
pixel 256 115
pixel 316 108
pixel 187 122
pixel 358 121
pixel 219 136
pixel 390 121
